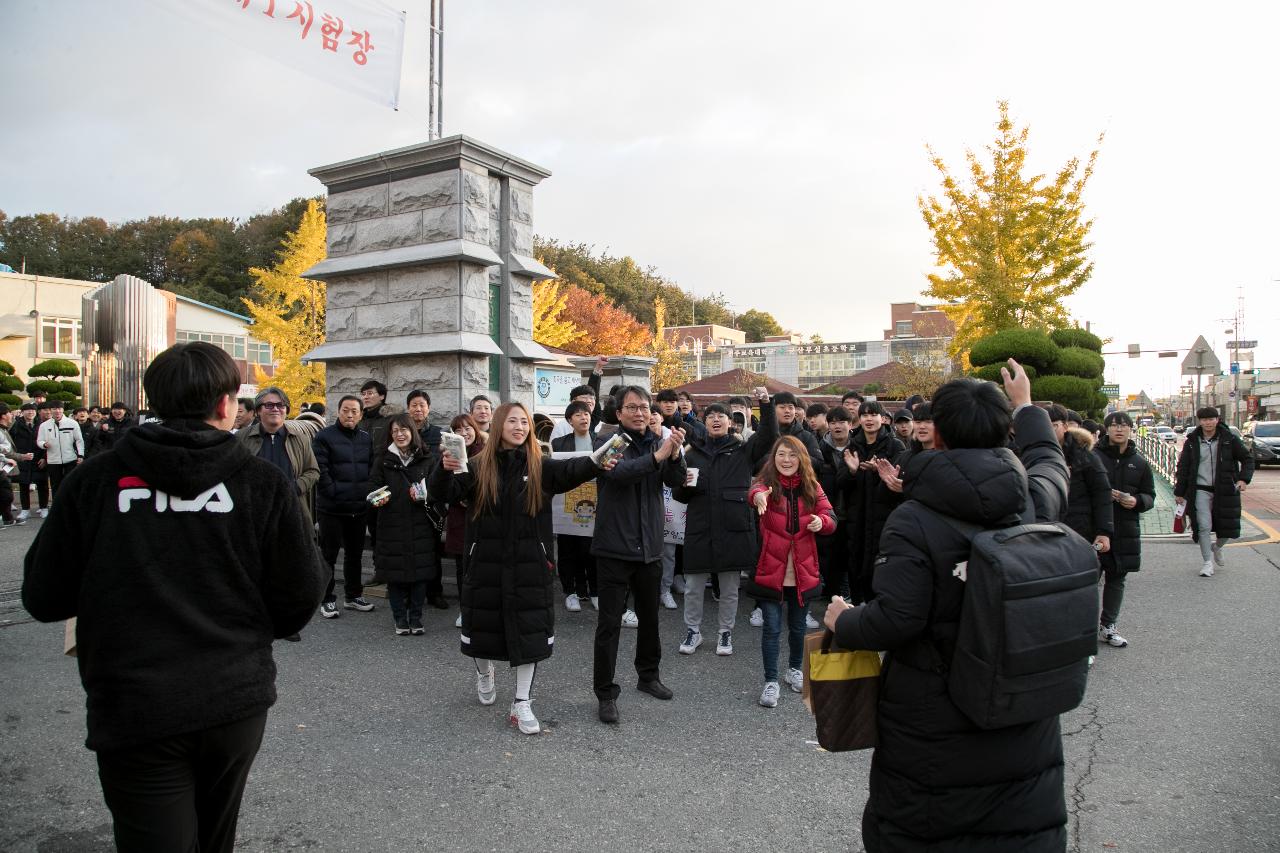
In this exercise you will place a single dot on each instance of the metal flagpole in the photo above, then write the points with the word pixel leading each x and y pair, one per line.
pixel 435 72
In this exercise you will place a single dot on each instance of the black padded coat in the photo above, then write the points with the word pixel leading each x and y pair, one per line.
pixel 1234 464
pixel 508 596
pixel 405 548
pixel 1127 472
pixel 938 782
pixel 1089 495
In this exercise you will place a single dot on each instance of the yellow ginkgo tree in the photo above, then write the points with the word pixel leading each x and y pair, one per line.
pixel 550 327
pixel 288 310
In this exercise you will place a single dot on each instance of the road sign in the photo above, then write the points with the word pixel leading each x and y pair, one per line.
pixel 1135 350
pixel 1112 391
pixel 1200 359
pixel 1231 394
pixel 1235 367
pixel 1242 344
pixel 1173 353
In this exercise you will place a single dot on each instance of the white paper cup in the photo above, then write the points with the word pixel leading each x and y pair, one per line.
pixel 691 477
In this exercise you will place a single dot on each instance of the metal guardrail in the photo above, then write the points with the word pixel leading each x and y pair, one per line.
pixel 1161 455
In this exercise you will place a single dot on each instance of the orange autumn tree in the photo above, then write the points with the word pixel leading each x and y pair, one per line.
pixel 606 329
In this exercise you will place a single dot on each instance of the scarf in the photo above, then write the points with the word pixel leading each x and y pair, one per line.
pixel 791 496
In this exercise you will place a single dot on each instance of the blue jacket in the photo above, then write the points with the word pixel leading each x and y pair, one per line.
pixel 345 457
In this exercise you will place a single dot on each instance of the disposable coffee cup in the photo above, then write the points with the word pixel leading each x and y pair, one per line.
pixel 691 477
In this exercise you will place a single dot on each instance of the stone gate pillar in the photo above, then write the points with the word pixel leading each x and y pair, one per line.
pixel 430 274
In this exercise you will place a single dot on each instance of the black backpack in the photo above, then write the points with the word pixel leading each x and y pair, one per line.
pixel 1028 625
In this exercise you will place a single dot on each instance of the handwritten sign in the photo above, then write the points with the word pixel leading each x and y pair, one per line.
pixel 574 512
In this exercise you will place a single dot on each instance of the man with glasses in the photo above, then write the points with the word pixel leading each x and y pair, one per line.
pixel 271 439
pixel 1133 491
pixel 628 543
pixel 63 444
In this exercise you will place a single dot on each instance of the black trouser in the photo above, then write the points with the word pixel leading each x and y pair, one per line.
pixel 576 565
pixel 29 473
pixel 345 532
pixel 6 498
pixel 57 473
pixel 833 563
pixel 613 579
pixel 1112 595
pixel 181 793
pixel 435 585
pixel 406 601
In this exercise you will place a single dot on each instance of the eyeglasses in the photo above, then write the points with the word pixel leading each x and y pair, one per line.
pixel 278 407
pixel 401 431
pixel 634 409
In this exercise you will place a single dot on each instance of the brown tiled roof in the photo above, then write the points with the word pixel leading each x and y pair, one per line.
pixel 882 375
pixel 736 381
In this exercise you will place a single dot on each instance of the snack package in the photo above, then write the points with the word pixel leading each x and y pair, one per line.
pixel 611 449
pixel 456 447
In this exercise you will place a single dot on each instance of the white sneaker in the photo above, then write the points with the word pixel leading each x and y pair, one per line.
pixel 810 622
pixel 1217 554
pixel 23 515
pixel 44 513
pixel 692 639
pixel 1112 638
pixel 795 680
pixel 521 715
pixel 769 698
pixel 1207 571
pixel 630 619
pixel 572 603
pixel 486 689
pixel 757 618
pixel 595 602
pixel 457 623
pixel 668 600
pixel 725 646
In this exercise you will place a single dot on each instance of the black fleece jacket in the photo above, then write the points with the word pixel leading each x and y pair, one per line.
pixel 182 556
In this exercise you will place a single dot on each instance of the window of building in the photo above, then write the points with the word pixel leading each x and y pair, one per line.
pixel 902 329
pixel 59 336
pixel 259 352
pixel 234 345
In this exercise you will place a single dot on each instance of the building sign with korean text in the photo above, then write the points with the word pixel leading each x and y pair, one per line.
pixel 356 45
pixel 551 389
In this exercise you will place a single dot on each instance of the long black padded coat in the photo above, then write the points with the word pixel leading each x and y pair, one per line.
pixel 867 505
pixel 1234 464
pixel 1089 494
pixel 1128 472
pixel 508 595
pixel 405 548
pixel 938 782
pixel 720 531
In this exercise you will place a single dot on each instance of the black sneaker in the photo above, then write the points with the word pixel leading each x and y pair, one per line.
pixel 415 627
pixel 358 604
pixel 402 628
pixel 329 610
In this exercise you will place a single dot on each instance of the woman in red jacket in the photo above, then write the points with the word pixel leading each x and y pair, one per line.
pixel 793 508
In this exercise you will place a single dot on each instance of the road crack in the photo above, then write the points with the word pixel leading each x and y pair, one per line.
pixel 1091 730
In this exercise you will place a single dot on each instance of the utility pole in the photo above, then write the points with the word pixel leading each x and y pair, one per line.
pixel 435 72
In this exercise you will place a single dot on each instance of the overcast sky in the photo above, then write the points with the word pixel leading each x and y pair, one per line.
pixel 769 152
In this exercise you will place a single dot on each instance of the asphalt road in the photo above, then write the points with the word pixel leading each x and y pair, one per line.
pixel 378 743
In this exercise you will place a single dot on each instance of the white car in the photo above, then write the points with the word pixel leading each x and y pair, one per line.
pixel 1164 432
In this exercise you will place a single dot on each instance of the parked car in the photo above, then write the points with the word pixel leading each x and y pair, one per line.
pixel 1165 433
pixel 1262 438
pixel 1179 428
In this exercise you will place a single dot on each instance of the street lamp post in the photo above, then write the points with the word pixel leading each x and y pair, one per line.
pixel 698 348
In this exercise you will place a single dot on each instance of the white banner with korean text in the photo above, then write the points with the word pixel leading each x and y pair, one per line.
pixel 356 45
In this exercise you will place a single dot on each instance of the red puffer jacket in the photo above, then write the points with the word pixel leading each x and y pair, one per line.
pixel 784 527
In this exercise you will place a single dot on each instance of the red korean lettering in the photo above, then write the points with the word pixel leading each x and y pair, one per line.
pixel 330 29
pixel 271 9
pixel 304 20
pixel 363 46
pixel 244 5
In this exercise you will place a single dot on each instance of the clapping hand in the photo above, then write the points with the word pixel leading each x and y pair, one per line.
pixel 815 524
pixel 851 461
pixel 890 474
pixel 762 500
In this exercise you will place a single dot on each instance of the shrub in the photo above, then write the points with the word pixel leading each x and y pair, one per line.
pixel 1028 346
pixel 65 397
pixel 1076 361
pixel 46 387
pixel 12 400
pixel 6 367
pixel 1074 337
pixel 9 382
pixel 1074 392
pixel 54 367
pixel 991 372
pixel 73 387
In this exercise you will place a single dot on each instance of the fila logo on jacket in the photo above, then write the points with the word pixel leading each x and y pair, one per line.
pixel 216 499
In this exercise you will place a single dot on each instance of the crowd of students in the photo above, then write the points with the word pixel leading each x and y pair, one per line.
pixel 790 505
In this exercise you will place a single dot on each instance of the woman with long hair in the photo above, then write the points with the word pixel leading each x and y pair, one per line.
pixel 792 508
pixel 404 553
pixel 455 521
pixel 507 586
